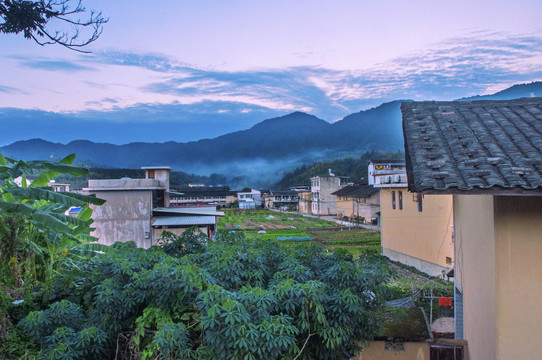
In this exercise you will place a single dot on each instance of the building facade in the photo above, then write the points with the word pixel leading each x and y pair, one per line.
pixel 358 202
pixel 133 206
pixel 416 229
pixel 249 199
pixel 221 196
pixel 282 200
pixel 322 200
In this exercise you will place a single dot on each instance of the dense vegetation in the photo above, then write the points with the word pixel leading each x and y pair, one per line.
pixel 193 298
pixel 354 168
pixel 230 298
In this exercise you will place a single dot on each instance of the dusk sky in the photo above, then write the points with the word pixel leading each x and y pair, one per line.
pixel 210 66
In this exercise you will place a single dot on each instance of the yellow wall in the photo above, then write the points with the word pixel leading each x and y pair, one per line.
pixel 518 250
pixel 364 207
pixel 474 272
pixel 499 269
pixel 419 239
pixel 413 351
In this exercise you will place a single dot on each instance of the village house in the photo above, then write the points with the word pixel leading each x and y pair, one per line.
pixel 488 156
pixel 221 196
pixel 284 200
pixel 139 210
pixel 322 187
pixel 358 202
pixel 249 199
pixel 304 202
pixel 416 229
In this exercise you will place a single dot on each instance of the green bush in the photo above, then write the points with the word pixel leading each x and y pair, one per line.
pixel 228 298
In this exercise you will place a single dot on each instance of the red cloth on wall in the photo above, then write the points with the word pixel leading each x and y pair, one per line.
pixel 445 301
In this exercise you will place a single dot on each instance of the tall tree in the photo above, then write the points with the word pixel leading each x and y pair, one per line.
pixel 52 22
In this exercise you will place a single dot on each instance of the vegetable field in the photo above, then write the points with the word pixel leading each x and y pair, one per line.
pixel 269 225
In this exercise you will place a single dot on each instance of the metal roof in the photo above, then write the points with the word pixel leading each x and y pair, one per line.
pixel 474 146
pixel 184 221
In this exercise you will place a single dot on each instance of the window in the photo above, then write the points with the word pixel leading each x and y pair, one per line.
pixel 448 260
pixel 420 204
pixel 400 200
pixel 393 200
pixel 151 174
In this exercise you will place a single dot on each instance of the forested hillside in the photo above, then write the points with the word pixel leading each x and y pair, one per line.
pixel 354 168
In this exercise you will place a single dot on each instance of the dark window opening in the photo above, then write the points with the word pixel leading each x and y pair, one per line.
pixel 400 200
pixel 393 200
pixel 446 353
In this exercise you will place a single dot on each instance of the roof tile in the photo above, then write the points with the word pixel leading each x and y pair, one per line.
pixel 473 145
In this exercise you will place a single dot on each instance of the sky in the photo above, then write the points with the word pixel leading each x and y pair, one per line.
pixel 177 70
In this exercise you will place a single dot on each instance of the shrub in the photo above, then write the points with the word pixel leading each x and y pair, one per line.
pixel 229 298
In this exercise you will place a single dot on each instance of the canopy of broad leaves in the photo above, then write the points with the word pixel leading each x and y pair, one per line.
pixel 226 298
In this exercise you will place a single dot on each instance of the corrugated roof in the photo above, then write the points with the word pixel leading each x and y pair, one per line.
pixel 184 220
pixel 476 146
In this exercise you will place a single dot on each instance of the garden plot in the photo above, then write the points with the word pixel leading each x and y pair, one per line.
pixel 267 220
pixel 268 225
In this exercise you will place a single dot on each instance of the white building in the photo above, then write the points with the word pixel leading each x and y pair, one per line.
pixel 322 187
pixel 249 199
pixel 387 173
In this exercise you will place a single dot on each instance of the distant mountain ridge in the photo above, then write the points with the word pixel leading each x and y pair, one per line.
pixel 266 151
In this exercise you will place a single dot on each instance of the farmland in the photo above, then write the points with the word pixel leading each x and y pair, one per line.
pixel 269 225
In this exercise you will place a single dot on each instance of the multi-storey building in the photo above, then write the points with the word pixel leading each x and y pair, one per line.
pixel 323 202
pixel 416 229
pixel 139 210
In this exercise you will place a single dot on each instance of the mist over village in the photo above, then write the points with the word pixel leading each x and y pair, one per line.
pixel 270 180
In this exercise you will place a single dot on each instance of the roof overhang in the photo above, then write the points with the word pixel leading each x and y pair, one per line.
pixel 184 221
pixel 211 211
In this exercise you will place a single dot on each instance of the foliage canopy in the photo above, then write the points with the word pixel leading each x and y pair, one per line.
pixel 228 298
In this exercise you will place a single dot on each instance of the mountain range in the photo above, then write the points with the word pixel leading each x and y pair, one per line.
pixel 263 152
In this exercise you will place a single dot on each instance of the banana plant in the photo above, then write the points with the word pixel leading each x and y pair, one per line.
pixel 33 220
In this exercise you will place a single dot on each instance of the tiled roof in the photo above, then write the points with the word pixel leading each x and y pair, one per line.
pixel 474 146
pixel 356 190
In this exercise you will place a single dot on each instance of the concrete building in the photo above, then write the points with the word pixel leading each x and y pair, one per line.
pixel 358 201
pixel 249 199
pixel 488 156
pixel 304 201
pixel 283 200
pixel 322 187
pixel 133 205
pixel 416 229
pixel 221 196
pixel 387 173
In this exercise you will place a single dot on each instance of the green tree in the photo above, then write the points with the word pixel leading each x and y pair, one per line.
pixel 44 21
pixel 228 298
pixel 33 223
